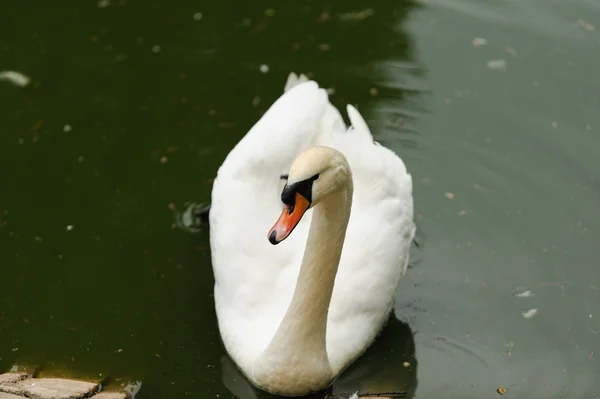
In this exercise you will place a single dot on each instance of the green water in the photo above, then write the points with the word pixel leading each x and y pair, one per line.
pixel 133 106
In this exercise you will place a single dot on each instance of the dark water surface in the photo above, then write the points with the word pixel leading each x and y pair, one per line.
pixel 134 104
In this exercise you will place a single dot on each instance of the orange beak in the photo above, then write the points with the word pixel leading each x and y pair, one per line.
pixel 289 219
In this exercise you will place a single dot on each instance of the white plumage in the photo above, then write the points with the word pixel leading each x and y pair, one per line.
pixel 255 281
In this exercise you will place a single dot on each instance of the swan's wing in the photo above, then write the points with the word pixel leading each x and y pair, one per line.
pixel 378 240
pixel 254 280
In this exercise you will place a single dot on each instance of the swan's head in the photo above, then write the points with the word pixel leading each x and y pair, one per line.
pixel 315 173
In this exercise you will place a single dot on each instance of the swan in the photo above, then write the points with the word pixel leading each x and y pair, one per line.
pixel 311 225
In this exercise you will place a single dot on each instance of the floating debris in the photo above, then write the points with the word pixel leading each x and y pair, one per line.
pixel 406 364
pixel 356 16
pixel 528 314
pixel 586 25
pixel 525 294
pixel 511 51
pixel 382 395
pixel 264 68
pixel 133 388
pixel 197 16
pixel 69 227
pixel 324 16
pixel 497 64
pixel 67 128
pixel 501 390
pixel 190 219
pixel 449 196
pixel 156 49
pixel 479 41
pixel 16 78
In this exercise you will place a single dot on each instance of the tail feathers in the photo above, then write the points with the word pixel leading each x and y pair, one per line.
pixel 294 80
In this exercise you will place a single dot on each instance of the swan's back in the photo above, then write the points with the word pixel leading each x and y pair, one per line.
pixel 254 281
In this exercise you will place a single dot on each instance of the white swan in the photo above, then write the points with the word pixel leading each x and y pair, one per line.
pixel 289 316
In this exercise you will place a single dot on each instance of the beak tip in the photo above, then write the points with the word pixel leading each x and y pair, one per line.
pixel 273 237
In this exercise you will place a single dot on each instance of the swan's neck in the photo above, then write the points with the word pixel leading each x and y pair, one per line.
pixel 297 354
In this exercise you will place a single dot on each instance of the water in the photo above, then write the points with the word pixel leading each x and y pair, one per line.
pixel 133 105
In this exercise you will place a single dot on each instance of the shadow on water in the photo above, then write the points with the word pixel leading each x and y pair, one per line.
pixel 132 108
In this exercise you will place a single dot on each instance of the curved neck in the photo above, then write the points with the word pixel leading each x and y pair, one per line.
pixel 299 345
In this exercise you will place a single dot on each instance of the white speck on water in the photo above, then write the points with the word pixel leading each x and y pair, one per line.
pixel 15 349
pixel 69 227
pixel 119 350
pixel 499 65
pixel 479 41
pixel 156 49
pixel 80 159
pixel 67 128
pixel 264 68
pixel 103 3
pixel 525 294
pixel 16 78
pixel 528 314
pixel 197 16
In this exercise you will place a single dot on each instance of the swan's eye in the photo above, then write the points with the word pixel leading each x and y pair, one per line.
pixel 315 177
